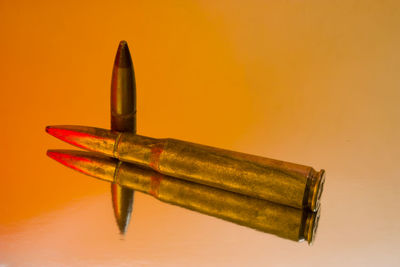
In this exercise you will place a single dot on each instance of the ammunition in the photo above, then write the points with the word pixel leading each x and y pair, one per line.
pixel 287 222
pixel 123 92
pixel 123 119
pixel 276 181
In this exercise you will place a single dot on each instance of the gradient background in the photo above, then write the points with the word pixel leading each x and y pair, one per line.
pixel 312 82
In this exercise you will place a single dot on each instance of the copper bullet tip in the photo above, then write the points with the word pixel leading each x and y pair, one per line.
pixel 68 134
pixel 68 158
pixel 52 154
pixel 123 58
pixel 59 132
pixel 84 137
pixel 91 164
pixel 122 201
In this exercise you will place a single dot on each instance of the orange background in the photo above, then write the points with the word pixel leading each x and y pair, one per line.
pixel 312 82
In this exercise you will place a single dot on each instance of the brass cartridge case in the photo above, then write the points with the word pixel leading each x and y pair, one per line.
pixel 123 119
pixel 276 181
pixel 283 221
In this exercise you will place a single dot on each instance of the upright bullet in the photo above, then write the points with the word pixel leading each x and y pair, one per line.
pixel 287 222
pixel 123 92
pixel 123 119
pixel 281 182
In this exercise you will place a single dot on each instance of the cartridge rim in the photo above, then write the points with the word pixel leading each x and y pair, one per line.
pixel 317 186
pixel 312 225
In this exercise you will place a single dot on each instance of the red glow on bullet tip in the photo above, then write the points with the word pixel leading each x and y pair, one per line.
pixel 71 161
pixel 70 136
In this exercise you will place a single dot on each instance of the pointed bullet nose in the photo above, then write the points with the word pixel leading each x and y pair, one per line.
pixel 86 162
pixel 123 58
pixel 122 200
pixel 61 132
pixel 52 130
pixel 54 155
pixel 69 158
pixel 89 138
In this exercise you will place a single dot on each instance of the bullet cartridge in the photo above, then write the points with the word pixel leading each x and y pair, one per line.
pixel 123 92
pixel 287 222
pixel 122 203
pixel 123 119
pixel 276 181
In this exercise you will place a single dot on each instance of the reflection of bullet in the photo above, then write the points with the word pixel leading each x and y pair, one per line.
pixel 277 181
pixel 280 220
pixel 123 119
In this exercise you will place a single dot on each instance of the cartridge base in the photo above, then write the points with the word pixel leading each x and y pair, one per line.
pixel 311 226
pixel 316 188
